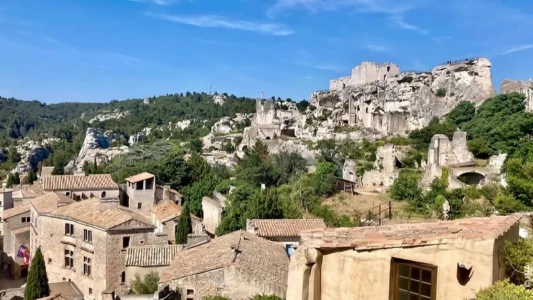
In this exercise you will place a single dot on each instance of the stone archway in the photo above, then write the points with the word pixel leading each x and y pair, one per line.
pixel 472 178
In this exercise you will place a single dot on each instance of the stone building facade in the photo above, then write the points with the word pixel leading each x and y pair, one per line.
pixel 442 260
pixel 141 193
pixel 81 187
pixel 16 223
pixel 86 242
pixel 6 202
pixel 165 217
pixel 238 265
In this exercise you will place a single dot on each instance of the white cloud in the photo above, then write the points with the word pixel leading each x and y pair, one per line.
pixel 213 21
pixel 377 48
pixel 365 6
pixel 517 49
pixel 328 67
pixel 400 23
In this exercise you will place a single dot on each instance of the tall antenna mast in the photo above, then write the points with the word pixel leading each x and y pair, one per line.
pixel 210 88
pixel 262 95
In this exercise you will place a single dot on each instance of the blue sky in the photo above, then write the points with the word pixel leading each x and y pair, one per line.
pixel 100 50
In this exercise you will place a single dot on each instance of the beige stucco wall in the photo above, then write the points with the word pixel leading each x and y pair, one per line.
pixel 350 274
pixel 145 196
pixel 10 248
pixel 109 193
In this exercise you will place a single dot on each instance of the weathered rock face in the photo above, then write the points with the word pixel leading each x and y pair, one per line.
pixel 380 97
pixel 219 99
pixel 385 167
pixel 136 138
pixel 523 87
pixel 31 153
pixel 109 116
pixel 96 148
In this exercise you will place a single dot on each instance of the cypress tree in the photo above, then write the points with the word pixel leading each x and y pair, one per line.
pixel 37 283
pixel 16 178
pixel 10 180
pixel 30 178
pixel 184 226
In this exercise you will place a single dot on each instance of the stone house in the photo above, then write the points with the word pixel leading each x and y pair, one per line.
pixel 82 187
pixel 212 209
pixel 140 193
pixel 165 216
pixel 238 265
pixel 165 192
pixel 86 242
pixel 441 260
pixel 6 202
pixel 152 258
pixel 16 223
pixel 284 231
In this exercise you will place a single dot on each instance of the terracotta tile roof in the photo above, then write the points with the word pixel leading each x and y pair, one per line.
pixel 89 212
pixel 409 235
pixel 15 211
pixel 285 227
pixel 152 256
pixel 50 201
pixel 71 182
pixel 167 210
pixel 21 230
pixel 139 177
pixel 258 259
pixel 47 171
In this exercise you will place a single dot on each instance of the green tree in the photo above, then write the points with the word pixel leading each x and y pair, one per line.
pixel 196 145
pixel 10 180
pixel 516 256
pixel 184 226
pixel 37 282
pixel 30 178
pixel 146 285
pixel 462 113
pixel 16 178
pixel 405 188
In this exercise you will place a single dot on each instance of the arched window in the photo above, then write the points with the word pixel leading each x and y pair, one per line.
pixel 103 195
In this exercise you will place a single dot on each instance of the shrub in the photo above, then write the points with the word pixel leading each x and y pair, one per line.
pixel 508 204
pixel 406 187
pixel 516 257
pixel 147 285
pixel 441 93
pixel 505 290
pixel 264 297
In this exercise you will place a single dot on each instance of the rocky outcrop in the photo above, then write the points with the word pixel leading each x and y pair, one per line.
pixel 31 153
pixel 138 137
pixel 378 96
pixel 96 147
pixel 523 87
pixel 219 99
pixel 116 114
pixel 385 169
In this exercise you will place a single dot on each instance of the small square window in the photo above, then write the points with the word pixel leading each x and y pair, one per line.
pixel 125 242
pixel 49 260
pixel 25 219
pixel 90 291
pixel 139 205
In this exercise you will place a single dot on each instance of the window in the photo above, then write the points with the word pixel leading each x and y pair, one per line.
pixel 68 193
pixel 69 258
pixel 87 236
pixel 103 194
pixel 123 277
pixel 69 229
pixel 90 291
pixel 139 205
pixel 25 219
pixel 86 266
pixel 125 242
pixel 0 203
pixel 190 294
pixel 49 260
pixel 411 280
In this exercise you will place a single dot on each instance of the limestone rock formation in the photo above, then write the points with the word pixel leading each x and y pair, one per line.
pixel 378 96
pixel 136 138
pixel 219 99
pixel 96 148
pixel 116 114
pixel 523 87
pixel 385 171
pixel 31 153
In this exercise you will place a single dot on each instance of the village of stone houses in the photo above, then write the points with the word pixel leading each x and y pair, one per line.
pixel 389 185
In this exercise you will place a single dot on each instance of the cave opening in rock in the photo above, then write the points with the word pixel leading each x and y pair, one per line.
pixel 472 178
pixel 398 163
pixel 288 133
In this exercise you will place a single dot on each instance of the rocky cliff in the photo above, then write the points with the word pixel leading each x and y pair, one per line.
pixel 523 87
pixel 379 97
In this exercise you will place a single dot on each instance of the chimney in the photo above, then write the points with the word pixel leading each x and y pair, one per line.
pixel 166 192
pixel 108 203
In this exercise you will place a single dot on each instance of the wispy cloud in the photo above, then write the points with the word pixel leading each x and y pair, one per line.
pixel 517 49
pixel 364 6
pixel 441 39
pixel 400 23
pixel 213 21
pixel 157 2
pixel 377 48
pixel 322 66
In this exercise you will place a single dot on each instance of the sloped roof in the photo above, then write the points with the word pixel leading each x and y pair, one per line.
pixel 89 212
pixel 139 177
pixel 167 210
pixel 71 182
pixel 259 259
pixel 409 235
pixel 15 211
pixel 50 201
pixel 152 256
pixel 285 227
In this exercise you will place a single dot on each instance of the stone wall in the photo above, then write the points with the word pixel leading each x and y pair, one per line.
pixel 204 284
pixel 212 210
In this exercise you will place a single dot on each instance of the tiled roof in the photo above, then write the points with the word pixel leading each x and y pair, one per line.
pixel 47 171
pixel 89 212
pixel 21 230
pixel 50 201
pixel 285 227
pixel 152 256
pixel 15 211
pixel 256 258
pixel 139 177
pixel 409 235
pixel 71 182
pixel 167 210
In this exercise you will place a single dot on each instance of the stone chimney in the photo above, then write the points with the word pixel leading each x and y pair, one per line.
pixel 166 192
pixel 108 203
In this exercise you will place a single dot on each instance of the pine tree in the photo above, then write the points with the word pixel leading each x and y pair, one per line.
pixel 16 178
pixel 37 282
pixel 184 226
